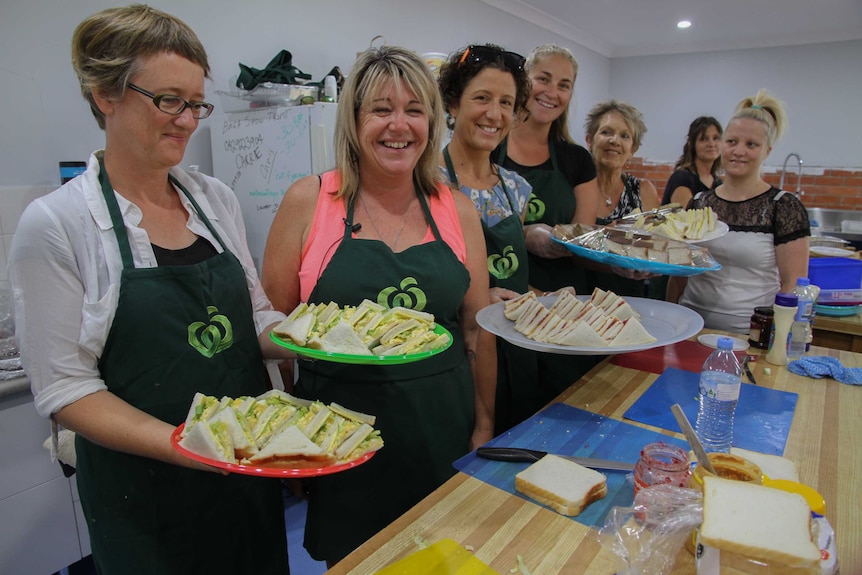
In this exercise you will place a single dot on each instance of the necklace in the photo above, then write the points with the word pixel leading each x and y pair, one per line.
pixel 377 230
pixel 608 200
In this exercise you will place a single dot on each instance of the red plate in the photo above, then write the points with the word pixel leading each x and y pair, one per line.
pixel 267 471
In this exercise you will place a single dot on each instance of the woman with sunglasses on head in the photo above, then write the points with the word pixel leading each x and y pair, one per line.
pixel 384 226
pixel 114 270
pixel 483 88
pixel 766 249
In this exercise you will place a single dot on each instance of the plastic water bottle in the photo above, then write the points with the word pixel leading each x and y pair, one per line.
pixel 800 329
pixel 807 295
pixel 719 393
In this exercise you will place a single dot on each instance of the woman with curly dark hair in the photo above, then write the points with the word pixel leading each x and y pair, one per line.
pixel 484 87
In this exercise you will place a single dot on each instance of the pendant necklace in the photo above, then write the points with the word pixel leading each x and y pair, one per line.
pixel 374 225
pixel 608 200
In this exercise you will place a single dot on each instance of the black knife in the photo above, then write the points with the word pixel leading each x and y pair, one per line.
pixel 524 455
pixel 748 369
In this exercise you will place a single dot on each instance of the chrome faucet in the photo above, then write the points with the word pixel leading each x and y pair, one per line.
pixel 799 191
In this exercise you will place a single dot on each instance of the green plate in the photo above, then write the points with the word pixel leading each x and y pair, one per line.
pixel 362 359
pixel 837 310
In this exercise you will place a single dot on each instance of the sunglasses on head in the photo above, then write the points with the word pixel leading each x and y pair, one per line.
pixel 486 54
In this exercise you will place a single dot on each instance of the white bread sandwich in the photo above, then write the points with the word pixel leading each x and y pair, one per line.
pixel 758 522
pixel 562 485
pixel 203 407
pixel 291 448
pixel 632 333
pixel 513 308
pixel 298 325
pixel 211 440
pixel 241 436
pixel 581 335
pixel 341 338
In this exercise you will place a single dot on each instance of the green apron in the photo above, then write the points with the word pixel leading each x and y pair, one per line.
pixel 424 410
pixel 178 330
pixel 552 203
pixel 517 396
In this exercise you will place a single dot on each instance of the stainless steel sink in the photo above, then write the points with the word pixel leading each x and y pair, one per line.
pixel 844 224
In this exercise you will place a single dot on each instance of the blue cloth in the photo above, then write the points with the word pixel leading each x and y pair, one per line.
pixel 823 366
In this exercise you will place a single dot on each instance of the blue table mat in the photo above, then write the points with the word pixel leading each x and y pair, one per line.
pixel 567 430
pixel 761 423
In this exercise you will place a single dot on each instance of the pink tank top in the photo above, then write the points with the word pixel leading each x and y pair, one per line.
pixel 327 229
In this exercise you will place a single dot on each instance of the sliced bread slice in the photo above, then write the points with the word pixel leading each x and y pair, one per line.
pixel 562 485
pixel 759 522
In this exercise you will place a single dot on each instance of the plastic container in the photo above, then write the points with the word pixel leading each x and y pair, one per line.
pixel 784 310
pixel 719 392
pixel 662 464
pixel 330 89
pixel 760 327
pixel 839 279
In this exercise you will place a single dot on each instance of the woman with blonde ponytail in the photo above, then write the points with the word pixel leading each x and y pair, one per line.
pixel 766 249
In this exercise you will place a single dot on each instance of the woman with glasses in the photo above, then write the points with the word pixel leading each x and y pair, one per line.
pixel 483 88
pixel 384 226
pixel 114 271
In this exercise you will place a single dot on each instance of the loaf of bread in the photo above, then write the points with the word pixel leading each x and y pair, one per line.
pixel 758 522
pixel 561 484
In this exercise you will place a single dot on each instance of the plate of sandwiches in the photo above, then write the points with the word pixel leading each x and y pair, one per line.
pixel 600 324
pixel 276 435
pixel 689 226
pixel 367 334
pixel 634 249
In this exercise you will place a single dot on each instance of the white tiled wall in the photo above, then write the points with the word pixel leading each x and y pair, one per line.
pixel 13 200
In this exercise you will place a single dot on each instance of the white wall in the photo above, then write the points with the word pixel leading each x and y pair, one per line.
pixel 821 84
pixel 45 120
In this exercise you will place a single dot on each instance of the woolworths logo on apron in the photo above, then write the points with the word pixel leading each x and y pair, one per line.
pixel 503 266
pixel 213 337
pixel 408 294
pixel 535 209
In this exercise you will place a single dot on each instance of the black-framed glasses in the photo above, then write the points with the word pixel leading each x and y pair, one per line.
pixel 485 54
pixel 174 105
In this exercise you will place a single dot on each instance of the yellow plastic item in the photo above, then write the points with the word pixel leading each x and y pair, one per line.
pixel 812 497
pixel 446 557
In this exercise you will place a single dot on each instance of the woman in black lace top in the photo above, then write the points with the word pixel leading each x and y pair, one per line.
pixel 766 249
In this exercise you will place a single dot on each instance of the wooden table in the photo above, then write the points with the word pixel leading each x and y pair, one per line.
pixel 825 442
pixel 839 332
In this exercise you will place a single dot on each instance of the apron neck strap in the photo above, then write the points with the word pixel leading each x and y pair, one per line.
pixel 453 177
pixel 116 217
pixel 120 225
pixel 348 229
pixel 501 156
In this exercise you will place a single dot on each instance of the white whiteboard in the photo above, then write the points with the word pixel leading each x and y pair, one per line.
pixel 260 153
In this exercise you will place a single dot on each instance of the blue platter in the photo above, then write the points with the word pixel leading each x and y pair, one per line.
pixel 706 262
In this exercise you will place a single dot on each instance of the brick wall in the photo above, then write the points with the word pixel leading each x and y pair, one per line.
pixel 822 187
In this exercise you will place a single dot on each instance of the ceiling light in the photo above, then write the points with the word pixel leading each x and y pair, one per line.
pixel 683 24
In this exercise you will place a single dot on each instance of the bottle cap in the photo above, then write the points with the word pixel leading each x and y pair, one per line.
pixel 786 299
pixel 803 281
pixel 725 343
